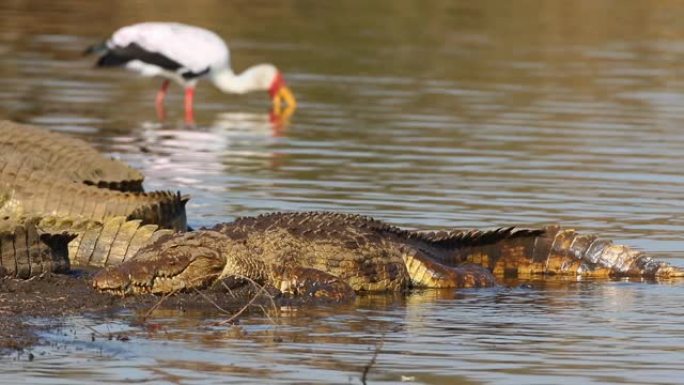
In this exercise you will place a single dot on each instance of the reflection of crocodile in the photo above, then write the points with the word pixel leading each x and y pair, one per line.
pixel 301 253
pixel 334 254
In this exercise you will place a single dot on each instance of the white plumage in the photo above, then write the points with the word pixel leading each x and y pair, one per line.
pixel 193 47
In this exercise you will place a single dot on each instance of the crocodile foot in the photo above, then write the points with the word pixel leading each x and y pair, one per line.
pixel 306 282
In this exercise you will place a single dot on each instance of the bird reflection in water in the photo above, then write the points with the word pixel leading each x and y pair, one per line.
pixel 279 117
pixel 235 143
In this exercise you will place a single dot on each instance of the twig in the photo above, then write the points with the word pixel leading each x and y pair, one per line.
pixel 261 289
pixel 369 365
pixel 251 301
pixel 167 295
pixel 156 305
pixel 211 301
pixel 230 291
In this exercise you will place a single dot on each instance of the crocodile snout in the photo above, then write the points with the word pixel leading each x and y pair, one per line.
pixel 168 270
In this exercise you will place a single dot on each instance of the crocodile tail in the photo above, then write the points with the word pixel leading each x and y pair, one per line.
pixel 494 249
pixel 26 253
pixel 164 208
pixel 66 157
pixel 556 251
pixel 459 239
pixel 123 185
pixel 106 242
pixel 571 253
pixel 28 191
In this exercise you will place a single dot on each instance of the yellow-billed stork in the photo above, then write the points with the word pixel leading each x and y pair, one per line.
pixel 185 54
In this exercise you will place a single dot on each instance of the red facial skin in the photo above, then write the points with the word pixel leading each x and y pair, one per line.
pixel 278 83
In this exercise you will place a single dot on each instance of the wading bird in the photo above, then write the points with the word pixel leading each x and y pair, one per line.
pixel 185 54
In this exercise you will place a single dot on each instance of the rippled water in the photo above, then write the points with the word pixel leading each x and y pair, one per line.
pixel 425 114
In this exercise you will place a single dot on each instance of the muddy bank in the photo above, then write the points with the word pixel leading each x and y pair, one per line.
pixel 52 297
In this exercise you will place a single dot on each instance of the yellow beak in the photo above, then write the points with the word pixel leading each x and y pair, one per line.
pixel 284 95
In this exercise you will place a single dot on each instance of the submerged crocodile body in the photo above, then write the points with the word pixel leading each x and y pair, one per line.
pixel 64 205
pixel 334 254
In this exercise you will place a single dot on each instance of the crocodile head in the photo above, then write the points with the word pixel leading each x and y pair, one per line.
pixel 174 263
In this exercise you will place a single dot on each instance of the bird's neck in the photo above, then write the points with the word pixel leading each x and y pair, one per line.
pixel 255 78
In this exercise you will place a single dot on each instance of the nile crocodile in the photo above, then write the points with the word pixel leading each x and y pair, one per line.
pixel 57 212
pixel 334 254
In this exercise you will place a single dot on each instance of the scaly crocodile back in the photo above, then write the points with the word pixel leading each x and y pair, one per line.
pixel 66 157
pixel 309 225
pixel 332 225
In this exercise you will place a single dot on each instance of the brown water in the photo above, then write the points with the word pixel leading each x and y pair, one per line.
pixel 425 114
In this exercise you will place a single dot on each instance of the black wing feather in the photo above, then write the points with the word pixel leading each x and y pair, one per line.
pixel 119 56
pixel 187 75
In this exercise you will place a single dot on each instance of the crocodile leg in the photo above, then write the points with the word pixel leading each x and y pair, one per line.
pixel 302 281
pixel 426 272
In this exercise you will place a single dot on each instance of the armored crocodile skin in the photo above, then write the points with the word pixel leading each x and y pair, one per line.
pixel 66 157
pixel 102 243
pixel 335 254
pixel 25 191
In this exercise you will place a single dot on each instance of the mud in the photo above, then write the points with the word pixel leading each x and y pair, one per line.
pixel 51 297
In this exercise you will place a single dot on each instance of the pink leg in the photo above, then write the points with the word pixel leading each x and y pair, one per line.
pixel 159 101
pixel 189 96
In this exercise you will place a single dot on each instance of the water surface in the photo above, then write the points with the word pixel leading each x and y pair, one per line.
pixel 425 114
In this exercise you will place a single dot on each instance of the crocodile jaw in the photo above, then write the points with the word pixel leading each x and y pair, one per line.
pixel 162 273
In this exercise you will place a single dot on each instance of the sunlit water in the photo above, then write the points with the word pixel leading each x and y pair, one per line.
pixel 425 114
